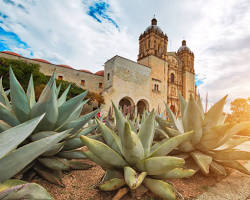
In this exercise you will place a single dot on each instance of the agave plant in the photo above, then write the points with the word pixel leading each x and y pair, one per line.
pixel 59 115
pixel 213 144
pixel 17 189
pixel 129 157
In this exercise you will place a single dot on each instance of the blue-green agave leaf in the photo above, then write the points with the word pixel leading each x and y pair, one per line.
pixel 68 107
pixel 47 104
pixel 58 89
pixel 63 97
pixel 11 138
pixel 7 116
pixel 19 99
pixel 3 96
pixel 31 92
pixel 15 161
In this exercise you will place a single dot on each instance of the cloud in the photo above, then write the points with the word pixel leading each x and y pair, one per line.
pixel 86 33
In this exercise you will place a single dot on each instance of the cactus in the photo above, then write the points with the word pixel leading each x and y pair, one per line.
pixel 59 115
pixel 212 146
pixel 129 157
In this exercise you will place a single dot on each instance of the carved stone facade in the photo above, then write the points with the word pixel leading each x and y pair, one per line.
pixel 157 76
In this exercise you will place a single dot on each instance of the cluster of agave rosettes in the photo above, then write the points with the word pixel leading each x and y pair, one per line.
pixel 213 144
pixel 42 136
pixel 129 157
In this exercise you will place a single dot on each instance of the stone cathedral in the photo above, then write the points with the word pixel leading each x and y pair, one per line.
pixel 157 76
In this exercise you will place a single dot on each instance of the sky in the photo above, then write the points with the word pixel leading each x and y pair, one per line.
pixel 86 33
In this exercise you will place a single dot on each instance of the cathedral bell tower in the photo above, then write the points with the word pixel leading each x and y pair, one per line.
pixel 187 59
pixel 153 42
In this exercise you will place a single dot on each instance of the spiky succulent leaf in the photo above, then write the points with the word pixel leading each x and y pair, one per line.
pixel 67 107
pixel 183 104
pixel 132 148
pixel 11 138
pixel 171 144
pixel 112 184
pixel 19 100
pixel 8 116
pixel 146 132
pixel 132 179
pixel 17 189
pixel 97 160
pixel 107 154
pixel 213 116
pixel 159 165
pixel 160 188
pixel 176 173
pixel 47 104
pixel 31 92
pixel 110 137
pixel 15 161
pixel 3 96
pixel 192 120
pixel 202 160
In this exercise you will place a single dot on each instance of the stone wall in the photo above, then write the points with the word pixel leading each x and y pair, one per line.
pixel 130 80
pixel 68 74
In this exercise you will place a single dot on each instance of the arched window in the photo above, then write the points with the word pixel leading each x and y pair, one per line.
pixel 172 78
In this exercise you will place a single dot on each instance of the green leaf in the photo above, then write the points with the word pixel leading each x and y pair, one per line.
pixel 4 126
pixel 112 184
pixel 110 137
pixel 192 120
pixel 54 149
pixel 199 103
pixel 77 124
pixel 75 154
pixel 159 165
pixel 58 90
pixel 63 97
pixel 76 142
pixel 107 154
pixel 160 188
pixel 202 160
pixel 213 116
pixel 19 99
pixel 11 138
pixel 120 121
pixel 97 160
pixel 178 125
pixel 231 154
pixel 218 169
pixel 3 96
pixel 132 179
pixel 233 131
pixel 183 103
pixel 171 144
pixel 235 165
pixel 68 107
pixel 146 132
pixel 176 173
pixel 7 116
pixel 31 92
pixel 79 165
pixel 49 175
pixel 23 190
pixel 55 163
pixel 47 104
pixel 15 161
pixel 132 148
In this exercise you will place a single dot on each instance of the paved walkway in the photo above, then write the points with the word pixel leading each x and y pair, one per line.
pixel 235 187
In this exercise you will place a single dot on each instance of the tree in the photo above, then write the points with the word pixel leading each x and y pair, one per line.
pixel 23 70
pixel 240 110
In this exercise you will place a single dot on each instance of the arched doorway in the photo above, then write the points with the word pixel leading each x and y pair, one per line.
pixel 127 105
pixel 141 106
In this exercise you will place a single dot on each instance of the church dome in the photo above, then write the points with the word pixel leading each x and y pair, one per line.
pixel 154 27
pixel 184 47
